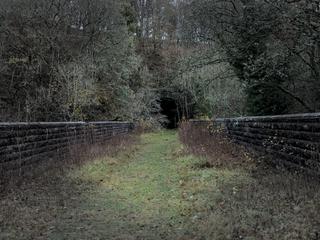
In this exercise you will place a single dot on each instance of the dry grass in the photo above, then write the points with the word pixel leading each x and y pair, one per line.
pixel 78 155
pixel 260 201
pixel 32 205
pixel 212 145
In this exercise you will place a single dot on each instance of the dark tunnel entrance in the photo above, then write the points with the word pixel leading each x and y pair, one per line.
pixel 171 111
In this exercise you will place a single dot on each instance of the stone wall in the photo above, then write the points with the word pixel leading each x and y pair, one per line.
pixel 25 144
pixel 291 139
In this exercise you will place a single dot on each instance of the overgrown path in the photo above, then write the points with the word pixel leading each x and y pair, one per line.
pixel 150 191
pixel 140 194
pixel 154 190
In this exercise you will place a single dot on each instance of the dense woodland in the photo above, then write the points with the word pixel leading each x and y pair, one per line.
pixel 70 60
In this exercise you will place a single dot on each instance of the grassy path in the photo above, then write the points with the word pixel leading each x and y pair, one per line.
pixel 155 190
pixel 152 192
pixel 147 194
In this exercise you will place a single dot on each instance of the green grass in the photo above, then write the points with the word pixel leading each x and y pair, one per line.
pixel 155 190
pixel 154 193
pixel 141 195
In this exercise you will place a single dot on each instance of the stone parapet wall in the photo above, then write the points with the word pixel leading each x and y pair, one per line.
pixel 25 144
pixel 293 139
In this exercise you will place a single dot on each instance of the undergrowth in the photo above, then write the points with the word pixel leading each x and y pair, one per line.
pixel 263 202
pixel 210 144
